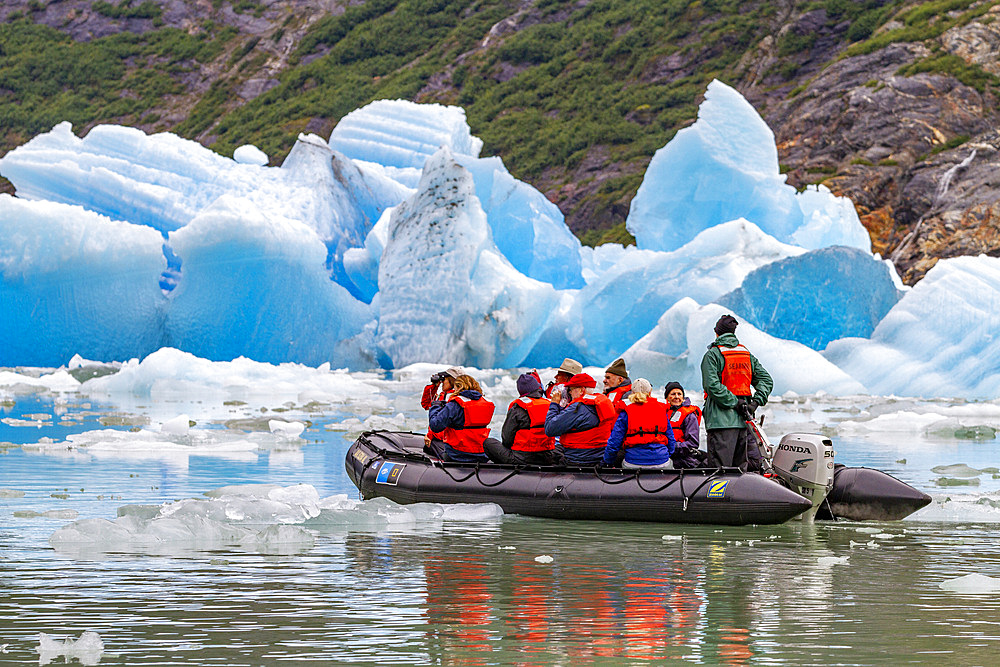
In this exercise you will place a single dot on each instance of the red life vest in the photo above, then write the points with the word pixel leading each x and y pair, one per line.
pixel 647 423
pixel 677 417
pixel 737 370
pixel 593 437
pixel 617 396
pixel 533 439
pixel 470 438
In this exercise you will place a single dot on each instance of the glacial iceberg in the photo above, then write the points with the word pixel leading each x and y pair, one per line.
pixel 394 242
pixel 938 340
pixel 73 281
pixel 724 167
pixel 256 285
pixel 673 350
pixel 845 291
pixel 445 291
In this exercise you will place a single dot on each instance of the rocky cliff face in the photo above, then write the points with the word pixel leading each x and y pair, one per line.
pixel 901 116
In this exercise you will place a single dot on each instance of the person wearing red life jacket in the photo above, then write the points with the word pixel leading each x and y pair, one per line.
pixel 735 385
pixel 523 439
pixel 583 426
pixel 686 422
pixel 643 430
pixel 567 369
pixel 617 385
pixel 438 390
pixel 460 424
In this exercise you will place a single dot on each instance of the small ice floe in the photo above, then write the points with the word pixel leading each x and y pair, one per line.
pixel 830 561
pixel 48 514
pixel 957 481
pixel 11 493
pixel 957 470
pixel 544 559
pixel 972 583
pixel 286 429
pixel 672 538
pixel 506 548
pixel 87 649
pixel 179 425
pixel 869 529
pixel 868 545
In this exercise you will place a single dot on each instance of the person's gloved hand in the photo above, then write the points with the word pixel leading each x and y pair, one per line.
pixel 742 409
pixel 752 406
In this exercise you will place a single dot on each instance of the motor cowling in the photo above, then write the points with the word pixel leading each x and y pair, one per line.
pixel 804 461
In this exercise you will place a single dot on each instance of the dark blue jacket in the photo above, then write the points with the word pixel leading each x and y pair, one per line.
pixel 649 454
pixel 449 414
pixel 574 417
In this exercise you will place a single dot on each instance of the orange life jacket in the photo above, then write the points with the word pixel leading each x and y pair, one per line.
pixel 737 370
pixel 470 438
pixel 593 437
pixel 533 439
pixel 647 423
pixel 677 417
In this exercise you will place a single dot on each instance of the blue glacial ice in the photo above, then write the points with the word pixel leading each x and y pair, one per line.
pixel 939 340
pixel 74 281
pixel 845 292
pixel 479 308
pixel 394 242
pixel 723 167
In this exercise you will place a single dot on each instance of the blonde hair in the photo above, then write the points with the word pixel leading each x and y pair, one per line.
pixel 641 389
pixel 465 382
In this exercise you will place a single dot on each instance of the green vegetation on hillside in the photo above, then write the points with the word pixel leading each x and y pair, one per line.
pixel 559 89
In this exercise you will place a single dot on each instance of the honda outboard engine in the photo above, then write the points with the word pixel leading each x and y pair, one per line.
pixel 804 461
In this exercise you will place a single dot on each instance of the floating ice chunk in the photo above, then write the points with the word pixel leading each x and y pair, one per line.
pixel 170 373
pixel 286 429
pixel 506 548
pixel 88 649
pixel 957 470
pixel 869 529
pixel 445 293
pixel 71 279
pixel 250 154
pixel 255 284
pixel 280 539
pixel 972 583
pixel 942 331
pixel 179 425
pixel 724 167
pixel 48 514
pixel 633 292
pixel 544 559
pixel 11 493
pixel 793 366
pixel 403 134
pixel 817 297
pixel 672 538
pixel 830 561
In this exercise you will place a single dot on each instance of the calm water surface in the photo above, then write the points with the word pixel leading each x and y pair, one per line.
pixel 473 593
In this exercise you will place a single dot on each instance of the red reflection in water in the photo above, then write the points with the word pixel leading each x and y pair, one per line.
pixel 458 609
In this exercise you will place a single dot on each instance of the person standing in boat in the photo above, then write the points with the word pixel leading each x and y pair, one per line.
pixel 643 430
pixel 567 369
pixel 584 425
pixel 523 439
pixel 460 424
pixel 685 420
pixel 735 386
pixel 617 385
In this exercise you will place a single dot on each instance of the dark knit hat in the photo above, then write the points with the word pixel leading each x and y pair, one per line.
pixel 670 387
pixel 726 324
pixel 528 383
pixel 618 368
pixel 581 380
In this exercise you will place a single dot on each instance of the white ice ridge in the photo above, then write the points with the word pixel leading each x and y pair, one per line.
pixel 88 649
pixel 261 517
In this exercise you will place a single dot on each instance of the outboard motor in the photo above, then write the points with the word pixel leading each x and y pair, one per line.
pixel 804 461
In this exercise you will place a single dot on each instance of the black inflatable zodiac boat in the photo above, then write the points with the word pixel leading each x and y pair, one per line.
pixel 393 465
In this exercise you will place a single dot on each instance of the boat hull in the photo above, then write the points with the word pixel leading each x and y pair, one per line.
pixel 391 465
pixel 866 494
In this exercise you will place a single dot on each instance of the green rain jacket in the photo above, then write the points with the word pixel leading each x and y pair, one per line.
pixel 719 409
